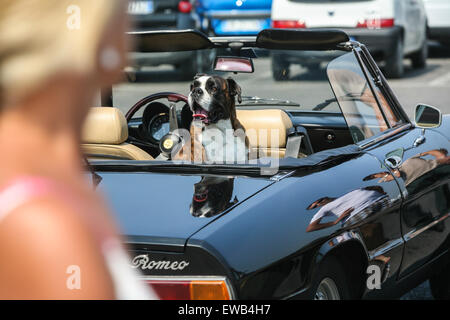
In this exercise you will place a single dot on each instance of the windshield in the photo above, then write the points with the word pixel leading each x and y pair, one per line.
pixel 286 108
pixel 299 84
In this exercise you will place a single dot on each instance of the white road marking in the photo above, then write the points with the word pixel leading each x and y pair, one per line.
pixel 441 81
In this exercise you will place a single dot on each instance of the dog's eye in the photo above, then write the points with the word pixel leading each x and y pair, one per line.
pixel 214 89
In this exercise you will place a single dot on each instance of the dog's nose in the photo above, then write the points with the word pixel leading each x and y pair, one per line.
pixel 197 91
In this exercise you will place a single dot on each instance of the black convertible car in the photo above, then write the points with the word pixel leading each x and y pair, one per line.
pixel 358 209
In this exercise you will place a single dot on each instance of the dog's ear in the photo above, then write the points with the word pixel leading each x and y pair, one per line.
pixel 235 89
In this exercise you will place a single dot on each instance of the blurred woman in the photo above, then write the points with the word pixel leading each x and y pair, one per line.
pixel 57 239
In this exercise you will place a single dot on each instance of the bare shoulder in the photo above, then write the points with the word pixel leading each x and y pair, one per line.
pixel 43 244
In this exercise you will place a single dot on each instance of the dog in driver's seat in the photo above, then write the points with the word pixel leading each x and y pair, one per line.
pixel 216 133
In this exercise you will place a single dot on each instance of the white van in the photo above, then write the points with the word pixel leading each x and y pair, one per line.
pixel 438 13
pixel 391 29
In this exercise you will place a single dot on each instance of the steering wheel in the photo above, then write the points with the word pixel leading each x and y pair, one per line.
pixel 170 96
pixel 172 140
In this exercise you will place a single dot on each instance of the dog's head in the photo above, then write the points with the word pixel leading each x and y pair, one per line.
pixel 212 98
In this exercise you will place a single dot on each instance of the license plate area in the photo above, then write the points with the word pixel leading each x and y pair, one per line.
pixel 140 7
pixel 242 25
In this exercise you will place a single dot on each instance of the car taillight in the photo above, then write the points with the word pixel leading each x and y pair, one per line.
pixel 288 24
pixel 375 23
pixel 184 6
pixel 190 289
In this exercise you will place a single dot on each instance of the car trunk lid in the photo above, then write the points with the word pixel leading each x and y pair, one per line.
pixel 163 210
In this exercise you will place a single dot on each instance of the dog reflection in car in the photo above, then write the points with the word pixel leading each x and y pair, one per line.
pixel 216 134
pixel 212 195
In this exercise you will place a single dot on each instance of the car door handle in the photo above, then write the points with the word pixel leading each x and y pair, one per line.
pixel 393 162
pixel 419 140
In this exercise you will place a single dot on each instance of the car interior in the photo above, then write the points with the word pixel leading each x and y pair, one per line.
pixel 106 134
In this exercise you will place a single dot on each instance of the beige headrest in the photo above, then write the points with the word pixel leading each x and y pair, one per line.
pixel 105 126
pixel 265 128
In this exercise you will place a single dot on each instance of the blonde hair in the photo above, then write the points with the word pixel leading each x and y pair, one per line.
pixel 41 38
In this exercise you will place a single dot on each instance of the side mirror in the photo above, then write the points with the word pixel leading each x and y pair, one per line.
pixel 427 116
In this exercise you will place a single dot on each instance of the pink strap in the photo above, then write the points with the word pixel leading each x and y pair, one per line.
pixel 21 191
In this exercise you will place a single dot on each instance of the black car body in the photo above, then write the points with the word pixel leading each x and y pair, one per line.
pixel 261 233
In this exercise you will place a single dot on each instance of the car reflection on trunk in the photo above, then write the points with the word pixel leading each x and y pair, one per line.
pixel 212 195
pixel 349 208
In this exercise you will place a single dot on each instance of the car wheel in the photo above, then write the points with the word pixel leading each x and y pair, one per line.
pixel 419 58
pixel 394 63
pixel 327 290
pixel 330 282
pixel 280 69
pixel 440 285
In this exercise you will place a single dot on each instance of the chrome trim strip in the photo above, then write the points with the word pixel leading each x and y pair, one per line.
pixel 194 278
pixel 385 136
pixel 388 246
pixel 371 82
pixel 281 175
pixel 414 233
pixel 248 40
pixel 384 86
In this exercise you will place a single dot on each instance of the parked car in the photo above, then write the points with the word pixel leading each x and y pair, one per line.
pixel 366 187
pixel 233 17
pixel 438 13
pixel 391 29
pixel 163 15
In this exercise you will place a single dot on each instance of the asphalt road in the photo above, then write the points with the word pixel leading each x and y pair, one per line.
pixel 430 85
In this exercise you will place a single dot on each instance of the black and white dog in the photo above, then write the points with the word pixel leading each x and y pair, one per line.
pixel 219 135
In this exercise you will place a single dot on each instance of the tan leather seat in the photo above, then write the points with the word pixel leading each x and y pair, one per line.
pixel 104 134
pixel 266 130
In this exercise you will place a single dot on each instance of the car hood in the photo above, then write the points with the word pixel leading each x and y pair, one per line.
pixel 166 209
pixel 236 5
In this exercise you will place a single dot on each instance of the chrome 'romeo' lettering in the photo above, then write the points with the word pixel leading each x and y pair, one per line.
pixel 143 262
